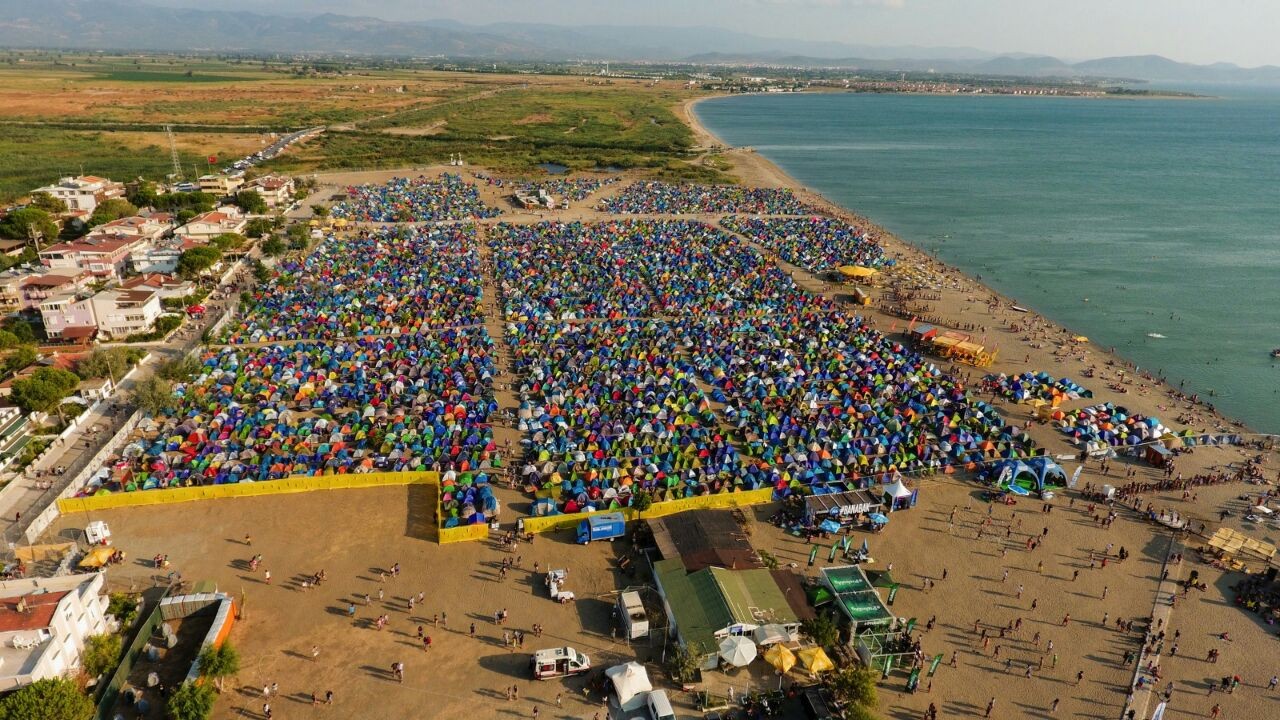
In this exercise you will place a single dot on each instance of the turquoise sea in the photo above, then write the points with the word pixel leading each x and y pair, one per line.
pixel 1163 214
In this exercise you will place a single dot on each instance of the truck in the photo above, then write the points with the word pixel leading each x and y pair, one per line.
pixel 635 624
pixel 558 662
pixel 605 526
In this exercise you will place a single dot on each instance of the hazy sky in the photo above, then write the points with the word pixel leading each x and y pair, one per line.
pixel 1200 31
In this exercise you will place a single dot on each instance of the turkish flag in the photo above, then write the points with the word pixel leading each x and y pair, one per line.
pixel 213 159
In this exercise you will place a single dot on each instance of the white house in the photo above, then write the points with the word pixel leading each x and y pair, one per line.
pixel 124 312
pixel 44 623
pixel 277 190
pixel 84 192
pixel 214 223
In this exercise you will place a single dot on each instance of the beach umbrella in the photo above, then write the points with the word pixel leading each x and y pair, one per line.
pixel 780 657
pixel 737 650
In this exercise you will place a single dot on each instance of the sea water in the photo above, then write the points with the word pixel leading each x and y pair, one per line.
pixel 1151 226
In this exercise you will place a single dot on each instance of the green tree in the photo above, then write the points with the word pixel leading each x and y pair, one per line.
pixel 218 663
pixel 251 202
pixel 854 685
pixel 8 340
pixel 190 701
pixel 21 329
pixel 28 222
pixel 822 630
pixel 299 236
pixel 154 395
pixel 107 363
pixel 44 390
pixel 320 211
pixel 228 241
pixel 274 246
pixel 48 699
pixel 112 209
pixel 48 203
pixel 193 262
pixel 18 359
pixel 179 369
pixel 144 195
pixel 260 226
pixel 100 653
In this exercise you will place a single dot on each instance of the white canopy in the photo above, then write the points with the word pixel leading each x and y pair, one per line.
pixel 897 489
pixel 630 681
pixel 770 634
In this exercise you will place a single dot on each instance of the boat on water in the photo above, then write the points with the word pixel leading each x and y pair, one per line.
pixel 1275 353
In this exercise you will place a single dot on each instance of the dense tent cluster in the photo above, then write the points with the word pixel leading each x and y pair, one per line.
pixel 661 198
pixel 384 281
pixel 1030 386
pixel 552 271
pixel 818 244
pixel 420 199
pixel 812 396
pixel 412 402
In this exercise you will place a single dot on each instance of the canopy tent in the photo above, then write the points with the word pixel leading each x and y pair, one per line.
pixel 630 681
pixel 897 495
pixel 780 658
pixel 770 634
pixel 838 506
pixel 857 271
pixel 1032 474
pixel 1233 543
pixel 815 660
pixel 737 650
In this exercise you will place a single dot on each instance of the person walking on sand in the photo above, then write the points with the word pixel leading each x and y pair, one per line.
pixel 1215 711
pixel 1053 706
pixel 266 576
pixel 991 705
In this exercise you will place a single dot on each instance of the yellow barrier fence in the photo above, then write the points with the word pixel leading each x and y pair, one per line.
pixel 245 489
pixel 549 523
pixel 463 533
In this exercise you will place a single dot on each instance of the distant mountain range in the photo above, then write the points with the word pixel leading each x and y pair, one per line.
pixel 121 25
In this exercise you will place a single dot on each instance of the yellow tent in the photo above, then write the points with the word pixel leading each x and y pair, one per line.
pixel 815 660
pixel 780 657
pixel 96 558
pixel 857 271
pixel 1080 339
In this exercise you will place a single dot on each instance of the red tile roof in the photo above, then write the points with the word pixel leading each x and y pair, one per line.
pixel 38 613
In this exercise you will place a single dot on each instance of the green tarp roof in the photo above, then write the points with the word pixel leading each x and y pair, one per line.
pixel 709 600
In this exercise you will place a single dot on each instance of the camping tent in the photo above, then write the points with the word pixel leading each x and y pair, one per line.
pixel 770 634
pixel 630 682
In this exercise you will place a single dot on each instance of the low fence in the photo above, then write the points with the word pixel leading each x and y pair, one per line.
pixel 463 533
pixel 550 523
pixel 244 489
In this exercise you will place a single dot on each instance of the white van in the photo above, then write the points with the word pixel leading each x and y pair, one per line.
pixel 659 706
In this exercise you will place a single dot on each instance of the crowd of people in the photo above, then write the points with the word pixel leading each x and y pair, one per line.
pixel 652 197
pixel 815 243
pixel 399 280
pixel 420 199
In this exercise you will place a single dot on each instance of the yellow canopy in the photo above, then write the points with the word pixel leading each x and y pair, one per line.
pixel 1080 339
pixel 96 557
pixel 780 657
pixel 815 660
pixel 857 271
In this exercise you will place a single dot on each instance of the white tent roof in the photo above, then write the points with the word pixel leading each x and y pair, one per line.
pixel 897 489
pixel 629 681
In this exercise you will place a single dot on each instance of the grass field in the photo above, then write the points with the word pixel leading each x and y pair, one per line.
pixel 30 157
pixel 104 114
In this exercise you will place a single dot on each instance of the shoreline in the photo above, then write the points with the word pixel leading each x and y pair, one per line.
pixel 751 168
